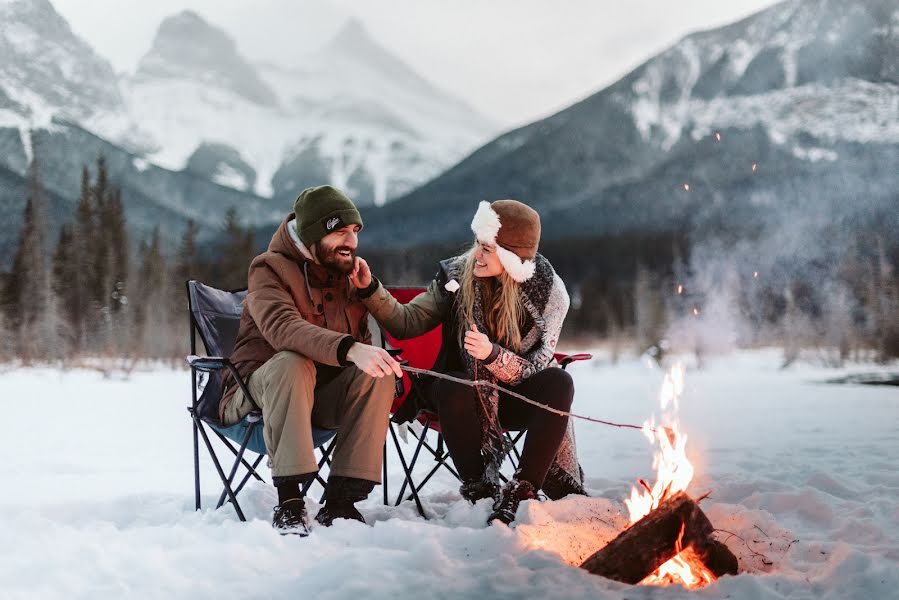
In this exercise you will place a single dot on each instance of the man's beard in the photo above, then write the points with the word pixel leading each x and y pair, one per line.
pixel 330 260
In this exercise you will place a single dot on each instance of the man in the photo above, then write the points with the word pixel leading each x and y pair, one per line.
pixel 304 343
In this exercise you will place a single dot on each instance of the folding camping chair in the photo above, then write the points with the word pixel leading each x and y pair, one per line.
pixel 421 352
pixel 215 316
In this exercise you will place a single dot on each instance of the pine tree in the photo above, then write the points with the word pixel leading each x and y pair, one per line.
pixel 117 267
pixel 34 327
pixel 187 266
pixel 100 284
pixel 83 276
pixel 153 337
pixel 65 268
pixel 234 252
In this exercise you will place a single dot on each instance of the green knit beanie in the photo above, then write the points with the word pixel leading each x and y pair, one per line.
pixel 321 210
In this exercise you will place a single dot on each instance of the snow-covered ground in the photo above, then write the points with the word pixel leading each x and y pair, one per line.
pixel 97 496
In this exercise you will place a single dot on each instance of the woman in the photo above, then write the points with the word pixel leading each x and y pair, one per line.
pixel 502 307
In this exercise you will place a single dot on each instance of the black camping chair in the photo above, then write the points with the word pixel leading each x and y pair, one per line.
pixel 215 316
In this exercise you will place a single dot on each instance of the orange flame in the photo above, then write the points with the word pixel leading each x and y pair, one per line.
pixel 673 474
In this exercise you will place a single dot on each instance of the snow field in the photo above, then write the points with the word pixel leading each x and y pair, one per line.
pixel 98 499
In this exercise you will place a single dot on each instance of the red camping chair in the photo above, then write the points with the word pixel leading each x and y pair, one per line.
pixel 421 352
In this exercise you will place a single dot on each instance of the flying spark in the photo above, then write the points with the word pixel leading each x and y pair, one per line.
pixel 680 289
pixel 696 312
pixel 687 187
pixel 754 167
pixel 717 136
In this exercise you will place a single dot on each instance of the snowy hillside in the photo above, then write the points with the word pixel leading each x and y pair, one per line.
pixel 349 113
pixel 806 90
pixel 827 68
pixel 99 502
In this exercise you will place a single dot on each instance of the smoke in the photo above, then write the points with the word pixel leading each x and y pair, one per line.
pixel 815 276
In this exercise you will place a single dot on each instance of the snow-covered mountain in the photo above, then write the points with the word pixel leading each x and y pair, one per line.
pixel 350 113
pixel 46 70
pixel 806 90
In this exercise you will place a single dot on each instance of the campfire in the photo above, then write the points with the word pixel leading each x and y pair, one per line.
pixel 669 539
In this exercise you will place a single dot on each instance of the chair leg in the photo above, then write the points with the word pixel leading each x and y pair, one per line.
pixel 439 463
pixel 218 467
pixel 412 463
pixel 196 462
pixel 399 451
pixel 384 471
pixel 439 454
pixel 243 461
pixel 249 474
pixel 243 448
pixel 326 456
pixel 515 444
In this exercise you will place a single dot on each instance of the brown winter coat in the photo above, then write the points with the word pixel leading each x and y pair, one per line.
pixel 320 320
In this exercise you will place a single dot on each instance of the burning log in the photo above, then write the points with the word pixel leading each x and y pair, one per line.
pixel 677 524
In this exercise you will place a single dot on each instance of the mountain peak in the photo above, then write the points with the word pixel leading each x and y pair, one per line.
pixel 189 31
pixel 353 31
pixel 40 56
pixel 188 47
pixel 353 43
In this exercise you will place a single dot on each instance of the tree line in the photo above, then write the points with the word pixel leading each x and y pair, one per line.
pixel 95 293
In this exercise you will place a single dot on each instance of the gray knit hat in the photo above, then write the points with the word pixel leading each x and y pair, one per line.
pixel 321 210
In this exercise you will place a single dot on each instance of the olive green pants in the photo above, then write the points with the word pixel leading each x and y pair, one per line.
pixel 354 403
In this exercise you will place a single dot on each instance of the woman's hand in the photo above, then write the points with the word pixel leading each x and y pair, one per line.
pixel 361 275
pixel 477 344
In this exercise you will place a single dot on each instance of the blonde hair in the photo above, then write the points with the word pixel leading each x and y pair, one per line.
pixel 502 307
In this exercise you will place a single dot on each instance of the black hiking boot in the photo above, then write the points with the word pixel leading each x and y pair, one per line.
pixel 478 489
pixel 559 484
pixel 514 493
pixel 342 493
pixel 338 509
pixel 291 518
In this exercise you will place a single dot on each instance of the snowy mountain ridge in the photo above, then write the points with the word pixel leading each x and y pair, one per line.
pixel 767 66
pixel 807 90
pixel 350 114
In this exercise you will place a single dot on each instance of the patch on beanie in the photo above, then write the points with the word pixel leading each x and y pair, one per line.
pixel 333 224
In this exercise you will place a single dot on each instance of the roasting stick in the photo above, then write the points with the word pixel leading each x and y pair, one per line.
pixel 490 384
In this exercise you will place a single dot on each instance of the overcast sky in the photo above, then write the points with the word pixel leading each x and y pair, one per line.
pixel 514 60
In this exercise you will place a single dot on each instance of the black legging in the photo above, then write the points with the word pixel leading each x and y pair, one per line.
pixel 457 407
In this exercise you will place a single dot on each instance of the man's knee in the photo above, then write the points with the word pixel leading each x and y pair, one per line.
pixel 286 364
pixel 380 390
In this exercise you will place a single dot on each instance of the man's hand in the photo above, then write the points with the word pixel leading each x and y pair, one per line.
pixel 361 275
pixel 374 361
pixel 477 344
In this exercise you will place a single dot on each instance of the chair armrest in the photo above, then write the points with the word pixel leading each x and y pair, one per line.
pixel 208 363
pixel 566 359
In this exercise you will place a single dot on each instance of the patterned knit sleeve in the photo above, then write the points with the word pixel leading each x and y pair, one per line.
pixel 512 368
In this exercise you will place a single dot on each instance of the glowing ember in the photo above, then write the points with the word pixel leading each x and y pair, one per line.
pixel 695 312
pixel 754 167
pixel 755 274
pixel 680 289
pixel 717 136
pixel 687 187
pixel 673 474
